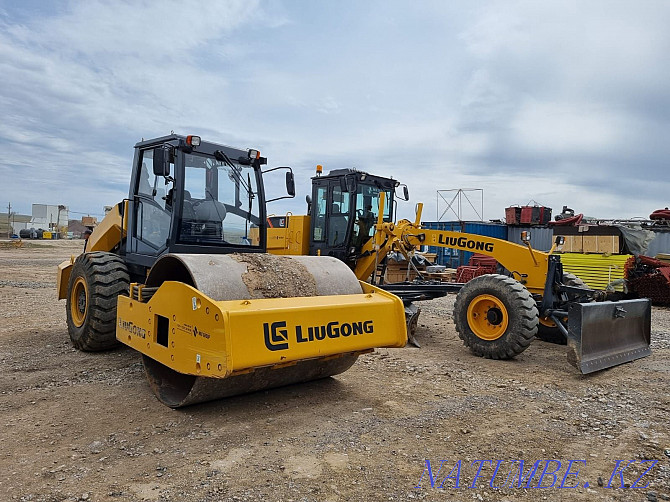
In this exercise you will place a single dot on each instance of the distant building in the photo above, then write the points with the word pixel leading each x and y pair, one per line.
pixel 49 217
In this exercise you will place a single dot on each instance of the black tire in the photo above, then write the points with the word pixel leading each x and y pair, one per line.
pixel 510 323
pixel 97 279
pixel 552 334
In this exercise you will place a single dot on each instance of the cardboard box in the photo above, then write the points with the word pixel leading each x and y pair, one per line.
pixel 601 244
pixel 596 244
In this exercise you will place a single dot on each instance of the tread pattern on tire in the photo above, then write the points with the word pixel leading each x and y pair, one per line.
pixel 522 314
pixel 106 277
pixel 553 334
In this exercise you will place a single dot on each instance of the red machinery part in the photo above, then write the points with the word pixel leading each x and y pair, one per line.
pixel 478 264
pixel 566 222
pixel 660 214
pixel 649 278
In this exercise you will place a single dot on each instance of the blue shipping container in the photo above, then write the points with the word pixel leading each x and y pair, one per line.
pixel 453 258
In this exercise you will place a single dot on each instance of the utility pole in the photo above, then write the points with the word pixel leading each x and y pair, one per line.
pixel 9 221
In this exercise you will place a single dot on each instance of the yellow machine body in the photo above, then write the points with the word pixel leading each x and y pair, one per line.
pixel 527 265
pixel 110 231
pixel 215 317
pixel 291 239
pixel 185 330
pixel 63 277
pixel 105 237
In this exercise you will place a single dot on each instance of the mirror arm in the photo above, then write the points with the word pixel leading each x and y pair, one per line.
pixel 275 169
pixel 289 175
pixel 279 198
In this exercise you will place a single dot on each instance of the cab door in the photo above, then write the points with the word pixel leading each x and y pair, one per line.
pixel 151 209
pixel 330 219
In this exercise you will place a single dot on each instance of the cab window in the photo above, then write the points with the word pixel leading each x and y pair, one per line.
pixel 220 203
pixel 153 217
pixel 339 217
pixel 320 214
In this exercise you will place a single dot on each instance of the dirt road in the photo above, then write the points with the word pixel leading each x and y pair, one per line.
pixel 83 426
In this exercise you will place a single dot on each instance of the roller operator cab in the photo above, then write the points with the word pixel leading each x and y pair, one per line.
pixel 344 209
pixel 191 196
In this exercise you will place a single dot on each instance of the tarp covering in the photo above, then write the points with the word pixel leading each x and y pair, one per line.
pixel 637 239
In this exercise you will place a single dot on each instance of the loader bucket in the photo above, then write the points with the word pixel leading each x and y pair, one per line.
pixel 606 334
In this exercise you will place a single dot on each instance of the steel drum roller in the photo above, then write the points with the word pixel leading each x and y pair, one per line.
pixel 248 276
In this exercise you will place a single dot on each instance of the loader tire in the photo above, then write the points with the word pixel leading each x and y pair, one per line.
pixel 495 316
pixel 97 279
pixel 546 329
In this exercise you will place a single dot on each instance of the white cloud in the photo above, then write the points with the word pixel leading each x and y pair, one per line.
pixel 496 31
pixel 565 128
pixel 155 31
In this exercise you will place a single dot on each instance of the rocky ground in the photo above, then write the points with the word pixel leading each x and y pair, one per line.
pixel 82 426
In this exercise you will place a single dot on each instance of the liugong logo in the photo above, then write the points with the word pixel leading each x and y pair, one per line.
pixel 276 335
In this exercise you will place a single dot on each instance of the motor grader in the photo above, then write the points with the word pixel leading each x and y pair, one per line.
pixel 178 271
pixel 351 217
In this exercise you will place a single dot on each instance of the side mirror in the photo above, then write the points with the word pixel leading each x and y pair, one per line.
pixel 405 192
pixel 161 161
pixel 348 183
pixel 343 184
pixel 290 184
pixel 351 184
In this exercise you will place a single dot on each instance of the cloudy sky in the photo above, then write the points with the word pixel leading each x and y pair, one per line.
pixel 557 102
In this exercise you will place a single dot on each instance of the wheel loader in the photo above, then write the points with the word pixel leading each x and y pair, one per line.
pixel 351 217
pixel 179 272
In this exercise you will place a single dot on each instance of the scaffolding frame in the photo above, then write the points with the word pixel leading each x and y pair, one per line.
pixel 457 200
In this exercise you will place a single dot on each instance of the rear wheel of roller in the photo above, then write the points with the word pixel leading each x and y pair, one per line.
pixel 96 281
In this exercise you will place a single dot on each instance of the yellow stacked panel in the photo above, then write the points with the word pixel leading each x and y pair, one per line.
pixel 596 270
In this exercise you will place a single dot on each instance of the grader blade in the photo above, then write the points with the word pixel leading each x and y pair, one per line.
pixel 606 334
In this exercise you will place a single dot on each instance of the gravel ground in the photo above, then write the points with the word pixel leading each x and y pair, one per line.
pixel 80 426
